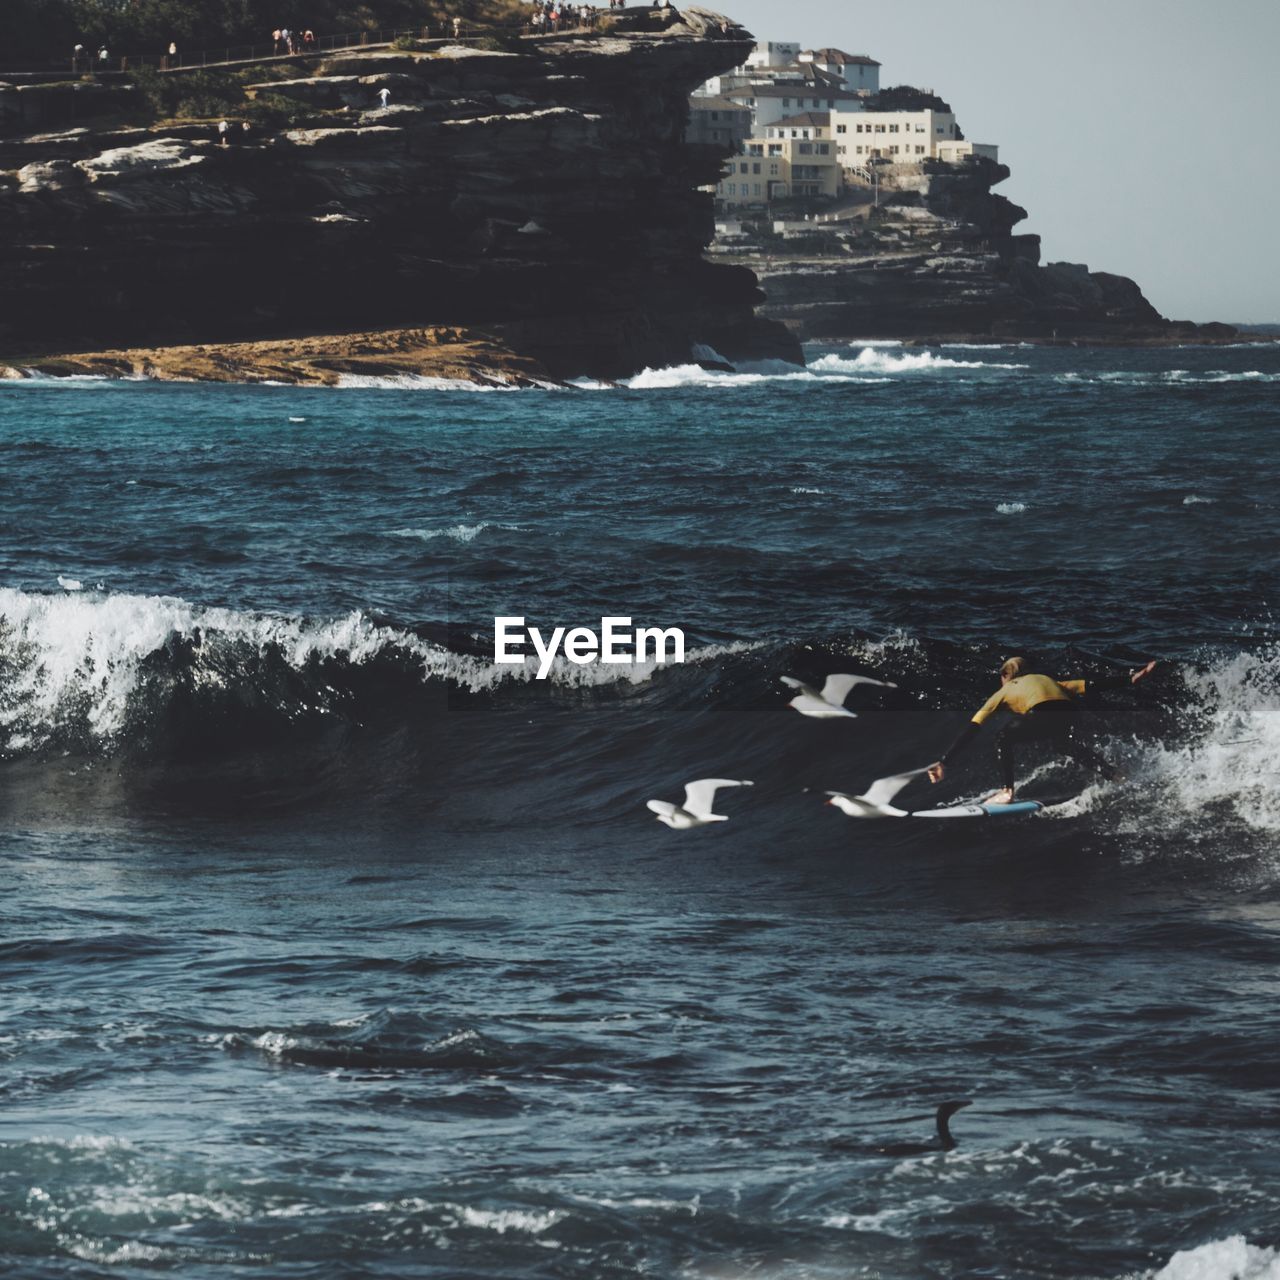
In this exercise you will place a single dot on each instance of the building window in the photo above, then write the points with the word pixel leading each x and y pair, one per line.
pixel 919 150
pixel 840 128
pixel 742 168
pixel 806 148
pixel 858 128
pixel 824 148
pixel 921 129
pixel 773 170
pixel 893 128
pixel 859 150
pixel 733 188
pixel 775 150
pixel 839 151
pixel 755 168
pixel 786 102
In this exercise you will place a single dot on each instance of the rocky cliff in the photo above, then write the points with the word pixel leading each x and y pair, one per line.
pixel 938 259
pixel 543 195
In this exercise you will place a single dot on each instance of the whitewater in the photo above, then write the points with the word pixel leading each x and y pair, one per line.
pixel 331 947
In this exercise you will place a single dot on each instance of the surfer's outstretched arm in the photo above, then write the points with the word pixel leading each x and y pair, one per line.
pixel 938 770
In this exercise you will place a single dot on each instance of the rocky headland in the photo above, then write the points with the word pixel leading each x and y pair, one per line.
pixel 938 260
pixel 530 211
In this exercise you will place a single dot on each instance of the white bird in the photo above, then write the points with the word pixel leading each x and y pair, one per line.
pixel 875 803
pixel 828 703
pixel 699 797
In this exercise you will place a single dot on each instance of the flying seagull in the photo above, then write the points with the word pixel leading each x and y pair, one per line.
pixel 828 703
pixel 699 797
pixel 875 803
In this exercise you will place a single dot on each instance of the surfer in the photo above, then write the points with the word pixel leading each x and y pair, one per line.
pixel 1044 711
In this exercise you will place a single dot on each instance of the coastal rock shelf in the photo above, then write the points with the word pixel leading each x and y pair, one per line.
pixel 545 196
pixel 938 260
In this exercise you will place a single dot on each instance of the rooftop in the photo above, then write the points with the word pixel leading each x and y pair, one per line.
pixel 810 120
pixel 716 104
pixel 838 56
pixel 797 89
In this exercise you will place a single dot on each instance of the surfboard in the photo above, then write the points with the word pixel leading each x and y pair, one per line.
pixel 1019 808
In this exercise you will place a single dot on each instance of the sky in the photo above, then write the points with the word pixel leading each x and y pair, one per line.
pixel 1140 134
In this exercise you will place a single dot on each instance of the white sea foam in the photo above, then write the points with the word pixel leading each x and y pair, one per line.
pixel 871 360
pixel 693 375
pixel 70 584
pixel 1011 508
pixel 457 532
pixel 1170 377
pixel 1231 758
pixel 1231 1259
pixel 1194 499
pixel 528 1221
pixel 986 346
pixel 415 382
pixel 800 488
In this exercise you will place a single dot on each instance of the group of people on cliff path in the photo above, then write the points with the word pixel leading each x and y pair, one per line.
pixel 285 41
pixel 550 16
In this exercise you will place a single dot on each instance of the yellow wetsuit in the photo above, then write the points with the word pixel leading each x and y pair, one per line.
pixel 1024 692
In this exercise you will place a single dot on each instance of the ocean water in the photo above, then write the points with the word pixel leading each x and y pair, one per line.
pixel 331 949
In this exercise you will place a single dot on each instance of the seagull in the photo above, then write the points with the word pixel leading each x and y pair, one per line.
pixel 699 796
pixel 828 703
pixel 875 803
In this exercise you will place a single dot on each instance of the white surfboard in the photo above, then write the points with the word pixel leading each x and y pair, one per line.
pixel 1019 808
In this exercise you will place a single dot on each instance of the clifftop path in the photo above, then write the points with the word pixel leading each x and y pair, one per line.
pixel 544 195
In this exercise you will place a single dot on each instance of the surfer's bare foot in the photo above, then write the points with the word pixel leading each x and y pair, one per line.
pixel 1003 796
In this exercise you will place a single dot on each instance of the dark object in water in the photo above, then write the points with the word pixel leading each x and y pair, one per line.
pixel 945 1141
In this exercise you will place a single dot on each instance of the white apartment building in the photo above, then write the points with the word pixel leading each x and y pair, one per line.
pixel 773 102
pixel 955 152
pixel 773 53
pixel 890 135
pixel 855 69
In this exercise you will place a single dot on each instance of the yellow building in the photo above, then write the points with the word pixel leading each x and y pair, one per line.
pixel 795 158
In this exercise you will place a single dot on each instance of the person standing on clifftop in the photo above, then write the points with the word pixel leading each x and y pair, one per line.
pixel 384 96
pixel 173 53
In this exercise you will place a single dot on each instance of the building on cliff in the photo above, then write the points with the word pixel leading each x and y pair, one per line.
pixel 794 160
pixel 856 70
pixel 891 135
pixel 718 122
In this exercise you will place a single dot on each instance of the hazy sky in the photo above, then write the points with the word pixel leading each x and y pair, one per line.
pixel 1141 135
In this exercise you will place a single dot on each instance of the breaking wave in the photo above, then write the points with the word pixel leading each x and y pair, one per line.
pixel 1231 1259
pixel 873 360
pixel 152 678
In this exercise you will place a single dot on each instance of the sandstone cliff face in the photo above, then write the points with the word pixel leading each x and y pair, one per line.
pixel 939 260
pixel 545 196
